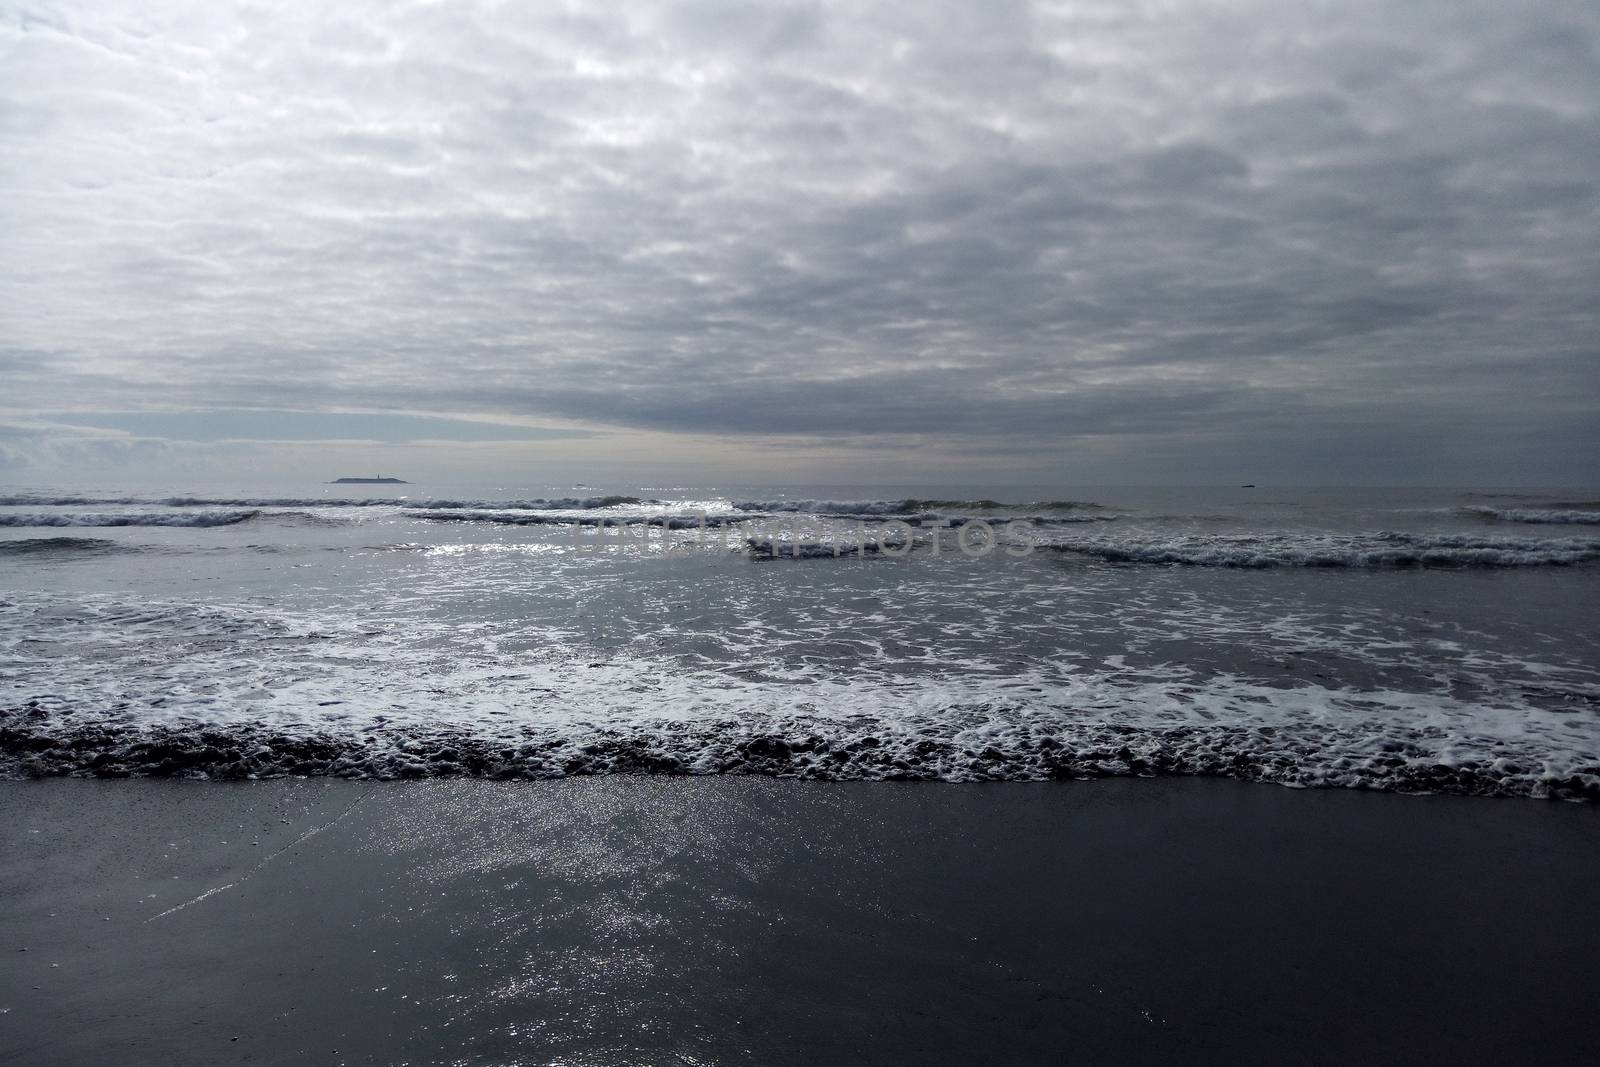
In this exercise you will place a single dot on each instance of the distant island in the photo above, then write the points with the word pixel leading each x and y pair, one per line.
pixel 379 480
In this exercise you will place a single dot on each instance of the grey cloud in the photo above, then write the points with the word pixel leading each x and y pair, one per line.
pixel 1008 221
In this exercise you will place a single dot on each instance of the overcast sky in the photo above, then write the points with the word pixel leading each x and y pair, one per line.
pixel 1192 240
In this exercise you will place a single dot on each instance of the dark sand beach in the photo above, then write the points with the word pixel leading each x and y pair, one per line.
pixel 741 920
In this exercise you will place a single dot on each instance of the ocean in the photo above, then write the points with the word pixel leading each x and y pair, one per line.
pixel 1395 639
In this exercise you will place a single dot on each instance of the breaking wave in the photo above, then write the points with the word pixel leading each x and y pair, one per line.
pixel 1068 520
pixel 768 548
pixel 567 503
pixel 50 546
pixel 908 506
pixel 139 518
pixel 511 518
pixel 833 507
pixel 954 744
pixel 1549 516
pixel 1334 550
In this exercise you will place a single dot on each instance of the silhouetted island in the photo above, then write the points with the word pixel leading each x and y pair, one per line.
pixel 379 480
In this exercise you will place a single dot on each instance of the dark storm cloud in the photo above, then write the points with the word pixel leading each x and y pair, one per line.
pixel 1006 221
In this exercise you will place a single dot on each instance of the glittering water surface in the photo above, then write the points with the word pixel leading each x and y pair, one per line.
pixel 1392 639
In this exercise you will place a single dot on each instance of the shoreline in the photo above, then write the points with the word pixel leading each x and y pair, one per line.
pixel 736 919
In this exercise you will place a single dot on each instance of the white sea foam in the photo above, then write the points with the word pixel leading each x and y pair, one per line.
pixel 235 691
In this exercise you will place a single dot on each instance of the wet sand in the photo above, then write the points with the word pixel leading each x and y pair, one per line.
pixel 729 920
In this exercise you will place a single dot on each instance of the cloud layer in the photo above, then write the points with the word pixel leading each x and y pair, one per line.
pixel 1354 231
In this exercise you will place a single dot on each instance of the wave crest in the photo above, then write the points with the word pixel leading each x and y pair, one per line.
pixel 138 518
pixel 1334 550
pixel 1538 516
pixel 47 546
pixel 511 518
pixel 906 506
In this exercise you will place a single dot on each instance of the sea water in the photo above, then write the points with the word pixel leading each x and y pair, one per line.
pixel 1416 640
